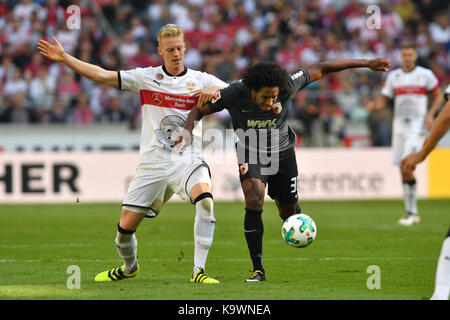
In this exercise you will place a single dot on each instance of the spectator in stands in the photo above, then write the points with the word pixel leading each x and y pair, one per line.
pixel 35 64
pixel 42 88
pixel 333 122
pixel 25 9
pixel 57 113
pixel 16 84
pixel 379 122
pixel 115 113
pixel 82 113
pixel 308 114
pixel 440 28
pixel 19 111
pixel 69 89
pixel 347 98
pixel 129 48
pixel 7 68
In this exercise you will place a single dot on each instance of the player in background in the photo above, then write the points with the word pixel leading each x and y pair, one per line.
pixel 258 105
pixel 409 87
pixel 168 93
pixel 440 127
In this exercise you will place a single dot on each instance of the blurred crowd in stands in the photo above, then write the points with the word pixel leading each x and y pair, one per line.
pixel 223 37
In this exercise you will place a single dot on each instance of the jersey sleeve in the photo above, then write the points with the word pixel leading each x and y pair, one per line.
pixel 388 90
pixel 447 93
pixel 224 98
pixel 209 80
pixel 297 80
pixel 433 82
pixel 130 79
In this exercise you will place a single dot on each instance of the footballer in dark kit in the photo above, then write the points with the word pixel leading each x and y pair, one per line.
pixel 258 105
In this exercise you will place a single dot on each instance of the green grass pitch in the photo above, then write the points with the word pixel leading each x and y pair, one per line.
pixel 39 242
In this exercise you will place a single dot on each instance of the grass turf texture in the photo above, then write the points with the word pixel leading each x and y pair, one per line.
pixel 39 242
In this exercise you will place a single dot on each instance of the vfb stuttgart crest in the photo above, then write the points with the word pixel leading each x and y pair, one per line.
pixel 277 108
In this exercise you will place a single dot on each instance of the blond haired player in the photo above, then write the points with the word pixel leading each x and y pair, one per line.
pixel 168 93
pixel 440 127
pixel 409 87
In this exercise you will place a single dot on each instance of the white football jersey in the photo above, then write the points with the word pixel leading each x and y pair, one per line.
pixel 447 93
pixel 409 91
pixel 166 101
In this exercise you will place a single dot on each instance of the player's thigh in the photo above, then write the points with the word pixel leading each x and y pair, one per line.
pixel 253 183
pixel 186 173
pixel 147 191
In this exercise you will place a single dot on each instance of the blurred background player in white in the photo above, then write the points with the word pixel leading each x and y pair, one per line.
pixel 440 127
pixel 168 93
pixel 409 87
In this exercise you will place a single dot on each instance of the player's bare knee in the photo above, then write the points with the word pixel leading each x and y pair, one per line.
pixel 131 217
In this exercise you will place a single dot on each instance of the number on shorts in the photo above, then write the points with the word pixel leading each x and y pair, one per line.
pixel 294 184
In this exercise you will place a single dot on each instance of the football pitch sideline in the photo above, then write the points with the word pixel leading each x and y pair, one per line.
pixel 359 253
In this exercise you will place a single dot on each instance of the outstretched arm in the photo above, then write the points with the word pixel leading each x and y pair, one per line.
pixel 438 130
pixel 319 70
pixel 95 73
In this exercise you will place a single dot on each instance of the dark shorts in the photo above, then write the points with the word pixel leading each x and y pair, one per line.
pixel 282 180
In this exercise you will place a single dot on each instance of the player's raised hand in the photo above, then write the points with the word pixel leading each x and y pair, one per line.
pixel 52 51
pixel 379 64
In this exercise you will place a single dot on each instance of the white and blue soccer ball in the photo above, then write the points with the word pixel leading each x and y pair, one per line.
pixel 299 230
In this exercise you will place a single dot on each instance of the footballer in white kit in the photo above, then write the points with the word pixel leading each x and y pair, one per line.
pixel 168 93
pixel 409 87
pixel 166 102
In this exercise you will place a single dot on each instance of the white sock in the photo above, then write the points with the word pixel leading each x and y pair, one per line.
pixel 127 248
pixel 410 197
pixel 442 287
pixel 204 225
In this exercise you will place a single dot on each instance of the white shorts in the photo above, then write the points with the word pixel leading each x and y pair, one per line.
pixel 156 182
pixel 405 144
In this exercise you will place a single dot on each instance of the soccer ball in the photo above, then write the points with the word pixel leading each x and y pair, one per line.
pixel 299 230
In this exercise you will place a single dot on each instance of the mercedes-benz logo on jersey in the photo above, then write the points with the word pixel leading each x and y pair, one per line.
pixel 157 98
pixel 169 130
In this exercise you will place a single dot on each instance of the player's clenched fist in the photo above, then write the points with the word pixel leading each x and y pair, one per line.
pixel 379 64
